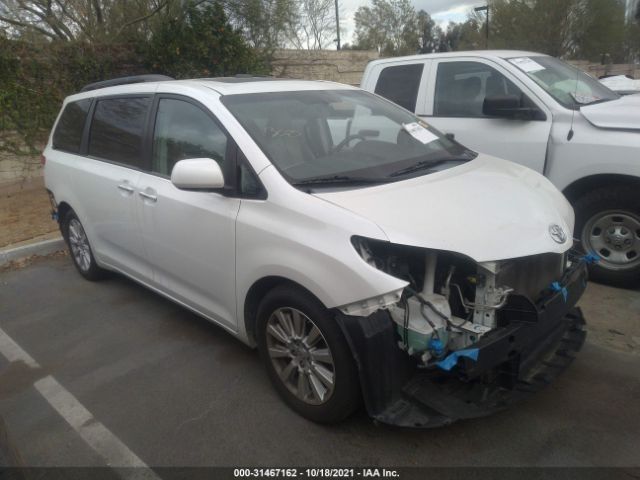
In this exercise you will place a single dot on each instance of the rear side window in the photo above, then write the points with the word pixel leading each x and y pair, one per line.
pixel 400 84
pixel 68 133
pixel 117 128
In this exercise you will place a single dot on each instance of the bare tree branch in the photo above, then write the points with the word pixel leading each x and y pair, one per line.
pixel 145 17
pixel 27 25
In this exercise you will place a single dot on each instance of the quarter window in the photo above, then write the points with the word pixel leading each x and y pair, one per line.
pixel 400 84
pixel 116 130
pixel 68 133
pixel 461 88
pixel 183 131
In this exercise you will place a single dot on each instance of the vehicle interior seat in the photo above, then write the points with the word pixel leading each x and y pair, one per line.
pixel 285 139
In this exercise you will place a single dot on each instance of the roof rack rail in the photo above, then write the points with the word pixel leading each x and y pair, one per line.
pixel 125 81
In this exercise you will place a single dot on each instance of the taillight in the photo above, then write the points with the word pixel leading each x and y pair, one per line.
pixel 43 159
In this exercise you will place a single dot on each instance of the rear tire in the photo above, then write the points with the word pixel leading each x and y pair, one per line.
pixel 79 247
pixel 306 355
pixel 608 224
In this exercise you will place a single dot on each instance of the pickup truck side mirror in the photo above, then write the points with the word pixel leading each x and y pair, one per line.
pixel 509 106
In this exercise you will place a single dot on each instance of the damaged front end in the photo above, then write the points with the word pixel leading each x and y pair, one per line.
pixel 463 339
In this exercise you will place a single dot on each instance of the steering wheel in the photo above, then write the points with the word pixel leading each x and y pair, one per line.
pixel 346 141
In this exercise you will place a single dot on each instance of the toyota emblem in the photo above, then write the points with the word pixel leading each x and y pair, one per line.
pixel 557 233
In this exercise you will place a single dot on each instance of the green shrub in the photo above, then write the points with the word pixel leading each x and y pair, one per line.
pixel 200 42
pixel 36 77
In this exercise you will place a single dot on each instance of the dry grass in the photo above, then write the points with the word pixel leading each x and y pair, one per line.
pixel 25 215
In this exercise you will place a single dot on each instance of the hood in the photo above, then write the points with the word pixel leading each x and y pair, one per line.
pixel 622 114
pixel 487 209
pixel 621 83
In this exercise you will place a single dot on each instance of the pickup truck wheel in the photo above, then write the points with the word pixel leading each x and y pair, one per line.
pixel 608 223
pixel 306 355
pixel 79 247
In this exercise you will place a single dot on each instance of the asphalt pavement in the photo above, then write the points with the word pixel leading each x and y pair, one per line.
pixel 111 365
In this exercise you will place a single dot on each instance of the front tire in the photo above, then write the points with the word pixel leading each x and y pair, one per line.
pixel 79 247
pixel 608 224
pixel 306 355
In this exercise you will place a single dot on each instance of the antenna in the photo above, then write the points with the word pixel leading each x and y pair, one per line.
pixel 573 110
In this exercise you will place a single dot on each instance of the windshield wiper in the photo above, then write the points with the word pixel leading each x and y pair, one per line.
pixel 426 164
pixel 338 179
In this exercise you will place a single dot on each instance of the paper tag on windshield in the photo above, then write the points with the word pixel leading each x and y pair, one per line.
pixel 526 64
pixel 420 133
pixel 584 99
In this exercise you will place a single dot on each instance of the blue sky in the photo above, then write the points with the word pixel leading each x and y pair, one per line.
pixel 442 11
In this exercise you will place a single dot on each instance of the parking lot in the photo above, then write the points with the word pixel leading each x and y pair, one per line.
pixel 169 389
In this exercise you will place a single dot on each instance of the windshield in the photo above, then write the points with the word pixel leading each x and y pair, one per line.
pixel 569 85
pixel 342 136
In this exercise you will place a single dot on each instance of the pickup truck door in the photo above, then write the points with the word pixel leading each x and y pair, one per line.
pixel 456 89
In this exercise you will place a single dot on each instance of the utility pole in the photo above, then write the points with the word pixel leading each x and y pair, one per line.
pixel 483 9
pixel 337 26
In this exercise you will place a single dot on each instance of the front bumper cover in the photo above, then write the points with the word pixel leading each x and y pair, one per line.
pixel 534 343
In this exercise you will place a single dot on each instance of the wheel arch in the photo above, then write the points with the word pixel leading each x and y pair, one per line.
pixel 256 293
pixel 63 209
pixel 583 185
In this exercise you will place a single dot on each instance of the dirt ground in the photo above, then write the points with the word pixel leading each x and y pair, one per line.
pixel 25 215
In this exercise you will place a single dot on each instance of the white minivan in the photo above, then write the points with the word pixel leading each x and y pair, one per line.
pixel 364 254
pixel 538 111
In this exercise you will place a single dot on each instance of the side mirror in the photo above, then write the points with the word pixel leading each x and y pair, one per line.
pixel 501 106
pixel 509 106
pixel 197 174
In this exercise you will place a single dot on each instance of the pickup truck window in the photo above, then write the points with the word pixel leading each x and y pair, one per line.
pixel 568 85
pixel 461 88
pixel 400 84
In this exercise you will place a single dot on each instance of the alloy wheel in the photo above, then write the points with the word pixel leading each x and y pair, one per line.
pixel 300 355
pixel 79 245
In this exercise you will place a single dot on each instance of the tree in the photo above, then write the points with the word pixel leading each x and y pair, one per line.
pixel 567 28
pixel 200 42
pixel 601 30
pixel 315 25
pixel 87 20
pixel 389 26
pixel 429 35
pixel 266 24
pixel 541 25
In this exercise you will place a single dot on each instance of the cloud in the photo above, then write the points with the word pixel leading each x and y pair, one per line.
pixel 457 14
pixel 433 7
pixel 442 11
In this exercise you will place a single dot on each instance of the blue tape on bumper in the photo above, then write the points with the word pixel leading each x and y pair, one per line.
pixel 452 359
pixel 591 258
pixel 557 287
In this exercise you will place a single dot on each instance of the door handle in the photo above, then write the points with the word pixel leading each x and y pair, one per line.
pixel 148 196
pixel 450 136
pixel 126 188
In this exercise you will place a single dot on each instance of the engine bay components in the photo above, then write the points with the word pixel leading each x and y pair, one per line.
pixel 450 301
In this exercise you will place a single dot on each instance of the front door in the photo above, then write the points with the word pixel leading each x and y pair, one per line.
pixel 457 89
pixel 189 236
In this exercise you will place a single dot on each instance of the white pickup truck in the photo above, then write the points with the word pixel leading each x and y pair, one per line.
pixel 540 112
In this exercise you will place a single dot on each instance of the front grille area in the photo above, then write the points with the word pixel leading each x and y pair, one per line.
pixel 529 276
